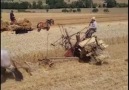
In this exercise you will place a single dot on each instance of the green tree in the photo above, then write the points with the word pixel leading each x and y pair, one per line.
pixel 39 4
pixel 3 4
pixel 111 3
pixel 95 5
pixel 14 5
pixel 29 5
pixel 10 5
pixel 73 4
pixel 50 3
pixel 56 3
pixel 79 4
pixel 122 5
pixel 46 7
pixel 23 5
pixel 34 5
pixel 88 3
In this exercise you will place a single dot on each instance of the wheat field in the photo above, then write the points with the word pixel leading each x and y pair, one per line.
pixel 70 75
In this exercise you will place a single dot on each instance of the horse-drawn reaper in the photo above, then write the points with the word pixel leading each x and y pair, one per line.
pixel 86 49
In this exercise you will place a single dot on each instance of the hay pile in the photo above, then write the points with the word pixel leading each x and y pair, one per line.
pixel 4 25
pixel 96 50
pixel 13 27
pixel 21 24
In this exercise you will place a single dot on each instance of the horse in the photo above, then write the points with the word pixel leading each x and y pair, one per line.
pixel 8 64
pixel 45 25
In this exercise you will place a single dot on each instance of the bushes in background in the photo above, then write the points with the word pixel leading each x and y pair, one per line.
pixel 106 10
pixel 71 10
pixel 95 10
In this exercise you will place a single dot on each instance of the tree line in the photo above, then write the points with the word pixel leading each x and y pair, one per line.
pixel 56 4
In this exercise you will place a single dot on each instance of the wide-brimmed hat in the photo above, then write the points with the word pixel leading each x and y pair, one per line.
pixel 93 18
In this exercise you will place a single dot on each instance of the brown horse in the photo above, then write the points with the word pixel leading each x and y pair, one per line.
pixel 45 25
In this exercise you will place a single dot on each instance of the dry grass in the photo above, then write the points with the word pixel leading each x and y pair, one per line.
pixel 116 40
pixel 33 45
pixel 66 18
pixel 73 75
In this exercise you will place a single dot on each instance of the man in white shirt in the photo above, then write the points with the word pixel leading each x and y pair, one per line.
pixel 92 28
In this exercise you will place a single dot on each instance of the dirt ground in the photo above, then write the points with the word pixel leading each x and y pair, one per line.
pixel 70 75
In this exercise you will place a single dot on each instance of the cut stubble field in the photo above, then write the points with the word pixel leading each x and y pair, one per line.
pixel 66 18
pixel 70 75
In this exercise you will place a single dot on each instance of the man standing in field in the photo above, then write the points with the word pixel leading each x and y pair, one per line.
pixel 92 28
pixel 12 17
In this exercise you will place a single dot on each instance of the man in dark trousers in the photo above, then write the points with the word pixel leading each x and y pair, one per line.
pixel 12 17
pixel 92 28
